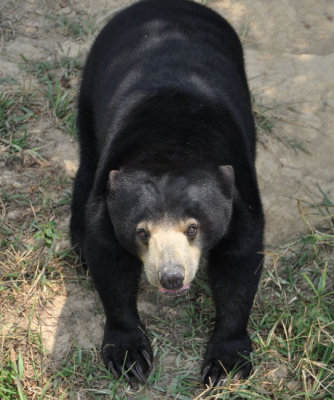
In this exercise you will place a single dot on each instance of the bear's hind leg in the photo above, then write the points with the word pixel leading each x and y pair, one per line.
pixel 84 178
pixel 81 189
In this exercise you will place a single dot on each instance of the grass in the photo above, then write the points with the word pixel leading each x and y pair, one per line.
pixel 49 71
pixel 8 387
pixel 61 104
pixel 17 110
pixel 266 118
pixel 55 78
pixel 79 27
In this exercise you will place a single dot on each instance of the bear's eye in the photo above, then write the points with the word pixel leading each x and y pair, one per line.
pixel 143 235
pixel 192 231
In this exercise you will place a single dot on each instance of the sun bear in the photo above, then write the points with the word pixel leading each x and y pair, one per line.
pixel 167 177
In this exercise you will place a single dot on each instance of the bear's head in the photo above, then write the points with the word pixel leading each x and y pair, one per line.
pixel 170 220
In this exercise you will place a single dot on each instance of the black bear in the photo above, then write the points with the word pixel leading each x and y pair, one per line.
pixel 167 177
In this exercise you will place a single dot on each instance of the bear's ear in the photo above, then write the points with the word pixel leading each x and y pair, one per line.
pixel 227 173
pixel 112 177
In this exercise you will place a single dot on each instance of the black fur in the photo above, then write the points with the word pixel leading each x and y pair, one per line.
pixel 165 102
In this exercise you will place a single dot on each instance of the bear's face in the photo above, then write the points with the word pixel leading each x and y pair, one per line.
pixel 171 251
pixel 170 221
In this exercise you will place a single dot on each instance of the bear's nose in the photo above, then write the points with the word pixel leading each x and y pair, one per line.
pixel 172 280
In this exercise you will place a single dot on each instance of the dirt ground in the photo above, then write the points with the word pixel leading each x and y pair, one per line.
pixel 289 54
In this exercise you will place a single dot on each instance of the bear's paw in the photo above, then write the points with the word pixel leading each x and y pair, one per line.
pixel 127 354
pixel 224 357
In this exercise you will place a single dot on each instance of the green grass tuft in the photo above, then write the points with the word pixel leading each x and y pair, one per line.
pixel 56 77
pixel 16 109
pixel 80 27
pixel 266 118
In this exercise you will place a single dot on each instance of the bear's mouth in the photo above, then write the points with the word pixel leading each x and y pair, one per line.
pixel 173 292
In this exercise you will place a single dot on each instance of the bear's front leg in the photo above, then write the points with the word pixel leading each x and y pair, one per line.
pixel 126 350
pixel 233 280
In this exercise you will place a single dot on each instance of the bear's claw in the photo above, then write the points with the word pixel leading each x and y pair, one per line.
pixel 131 367
pixel 205 372
pixel 214 375
pixel 127 354
pixel 147 357
pixel 138 373
pixel 113 370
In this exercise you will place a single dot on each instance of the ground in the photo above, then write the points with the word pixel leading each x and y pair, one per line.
pixel 51 319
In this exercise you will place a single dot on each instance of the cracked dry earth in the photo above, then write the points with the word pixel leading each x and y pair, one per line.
pixel 289 54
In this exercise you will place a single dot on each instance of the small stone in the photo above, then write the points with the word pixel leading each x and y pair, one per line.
pixel 65 11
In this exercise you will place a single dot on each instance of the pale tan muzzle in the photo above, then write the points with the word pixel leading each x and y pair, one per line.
pixel 170 253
